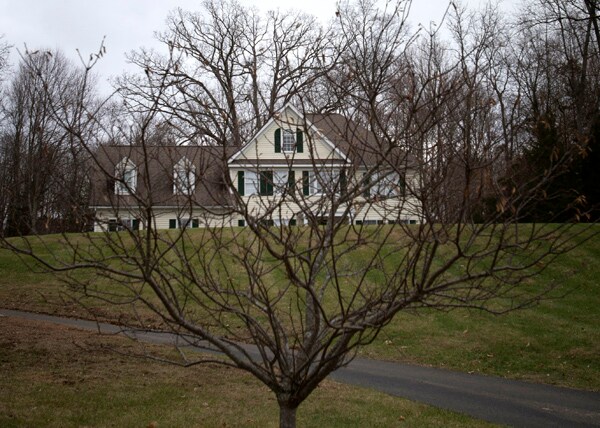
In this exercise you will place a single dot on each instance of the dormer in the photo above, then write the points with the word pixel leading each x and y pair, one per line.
pixel 125 177
pixel 184 177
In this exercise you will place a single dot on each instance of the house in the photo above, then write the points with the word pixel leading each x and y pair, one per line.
pixel 165 186
pixel 295 170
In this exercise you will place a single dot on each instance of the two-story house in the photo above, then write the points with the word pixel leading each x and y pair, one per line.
pixel 297 168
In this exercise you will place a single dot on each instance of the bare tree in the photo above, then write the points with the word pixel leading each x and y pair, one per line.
pixel 45 187
pixel 227 69
pixel 558 72
pixel 4 200
pixel 4 51
pixel 290 252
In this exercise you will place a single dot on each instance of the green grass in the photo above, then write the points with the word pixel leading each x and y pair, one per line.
pixel 53 376
pixel 556 341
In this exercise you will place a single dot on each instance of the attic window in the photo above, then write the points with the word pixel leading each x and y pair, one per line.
pixel 289 140
pixel 125 177
pixel 184 177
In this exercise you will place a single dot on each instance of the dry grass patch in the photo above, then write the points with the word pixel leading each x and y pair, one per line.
pixel 56 376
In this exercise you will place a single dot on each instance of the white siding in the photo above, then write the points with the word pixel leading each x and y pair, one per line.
pixel 162 216
pixel 263 146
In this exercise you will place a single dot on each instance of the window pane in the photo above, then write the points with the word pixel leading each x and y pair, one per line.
pixel 250 183
pixel 126 177
pixel 184 178
pixel 280 180
pixel 289 140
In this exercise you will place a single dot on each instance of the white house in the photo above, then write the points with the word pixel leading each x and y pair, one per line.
pixel 297 168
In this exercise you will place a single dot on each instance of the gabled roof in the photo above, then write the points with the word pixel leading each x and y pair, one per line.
pixel 155 166
pixel 352 142
pixel 358 144
pixel 238 156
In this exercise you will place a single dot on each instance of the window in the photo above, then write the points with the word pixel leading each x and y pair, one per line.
pixel 118 225
pixel 282 180
pixel 125 177
pixel 289 140
pixel 390 185
pixel 324 181
pixel 251 185
pixel 383 185
pixel 184 177
pixel 183 223
pixel 369 222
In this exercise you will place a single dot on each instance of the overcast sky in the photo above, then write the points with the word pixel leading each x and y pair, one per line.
pixel 129 24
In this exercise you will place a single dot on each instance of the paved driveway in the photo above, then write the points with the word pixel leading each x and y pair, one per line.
pixel 490 398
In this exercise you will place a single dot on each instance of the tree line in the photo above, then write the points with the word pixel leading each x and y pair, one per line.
pixel 491 100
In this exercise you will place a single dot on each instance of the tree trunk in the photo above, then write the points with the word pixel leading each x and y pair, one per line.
pixel 287 415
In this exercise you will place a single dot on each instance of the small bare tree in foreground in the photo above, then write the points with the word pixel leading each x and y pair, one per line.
pixel 307 259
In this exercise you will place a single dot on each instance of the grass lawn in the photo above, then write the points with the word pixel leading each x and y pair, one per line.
pixel 55 376
pixel 556 342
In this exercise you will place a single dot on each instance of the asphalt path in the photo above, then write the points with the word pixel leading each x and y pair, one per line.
pixel 493 399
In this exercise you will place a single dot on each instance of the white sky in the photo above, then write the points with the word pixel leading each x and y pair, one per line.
pixel 130 24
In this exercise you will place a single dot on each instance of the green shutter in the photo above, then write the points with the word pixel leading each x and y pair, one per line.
pixel 402 185
pixel 291 180
pixel 195 223
pixel 305 183
pixel 299 141
pixel 293 222
pixel 266 183
pixel 366 183
pixel 172 223
pixel 262 187
pixel 136 224
pixel 278 140
pixel 241 223
pixel 269 177
pixel 241 183
pixel 343 183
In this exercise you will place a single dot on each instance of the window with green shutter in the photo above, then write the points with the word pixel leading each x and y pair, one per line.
pixel 172 223
pixel 288 141
pixel 195 223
